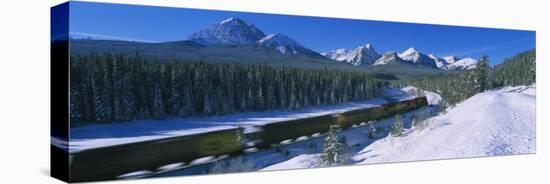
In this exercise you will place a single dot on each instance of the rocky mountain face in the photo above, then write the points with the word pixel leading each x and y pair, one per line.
pixel 232 31
pixel 284 45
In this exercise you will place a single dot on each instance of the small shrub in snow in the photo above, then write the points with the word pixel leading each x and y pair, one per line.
pixel 277 149
pixel 422 115
pixel 372 130
pixel 424 124
pixel 420 124
pixel 419 92
pixel 313 147
pixel 237 164
pixel 287 153
pixel 442 107
pixel 397 127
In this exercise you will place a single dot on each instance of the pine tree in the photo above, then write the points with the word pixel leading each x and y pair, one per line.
pixel 334 149
pixel 373 134
pixel 481 74
pixel 397 127
pixel 107 88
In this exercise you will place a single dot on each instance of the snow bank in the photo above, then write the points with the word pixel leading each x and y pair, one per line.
pixel 298 162
pixel 491 123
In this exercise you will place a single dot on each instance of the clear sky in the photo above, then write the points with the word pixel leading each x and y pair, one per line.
pixel 157 24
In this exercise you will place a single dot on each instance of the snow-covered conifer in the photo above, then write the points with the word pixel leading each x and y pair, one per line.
pixel 397 127
pixel 334 149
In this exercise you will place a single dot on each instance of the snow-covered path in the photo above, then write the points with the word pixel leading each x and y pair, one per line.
pixel 491 123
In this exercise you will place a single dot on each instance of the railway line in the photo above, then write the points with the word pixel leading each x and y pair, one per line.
pixel 113 161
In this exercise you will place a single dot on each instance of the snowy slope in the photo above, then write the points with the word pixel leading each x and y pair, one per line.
pixel 439 62
pixel 491 123
pixel 298 162
pixel 364 54
pixel 284 44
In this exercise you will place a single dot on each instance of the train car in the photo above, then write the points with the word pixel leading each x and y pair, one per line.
pixel 391 109
pixel 347 119
pixel 110 162
pixel 113 161
pixel 274 133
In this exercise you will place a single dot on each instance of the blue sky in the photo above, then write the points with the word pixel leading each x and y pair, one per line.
pixel 157 24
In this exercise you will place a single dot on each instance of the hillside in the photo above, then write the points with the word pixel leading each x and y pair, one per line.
pixel 500 122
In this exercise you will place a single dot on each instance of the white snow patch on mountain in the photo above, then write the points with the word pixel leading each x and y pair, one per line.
pixel 439 62
pixel 463 64
pixel 364 54
pixel 450 59
pixel 284 44
pixel 387 58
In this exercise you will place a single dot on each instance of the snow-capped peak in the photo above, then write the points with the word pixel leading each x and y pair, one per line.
pixel 411 54
pixel 414 56
pixel 284 44
pixel 367 46
pixel 362 54
pixel 439 62
pixel 387 58
pixel 410 51
pixel 463 64
pixel 450 59
pixel 232 31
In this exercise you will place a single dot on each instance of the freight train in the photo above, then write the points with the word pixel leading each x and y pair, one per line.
pixel 110 162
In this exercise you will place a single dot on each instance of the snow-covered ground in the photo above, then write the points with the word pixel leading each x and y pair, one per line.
pixel 94 136
pixel 500 122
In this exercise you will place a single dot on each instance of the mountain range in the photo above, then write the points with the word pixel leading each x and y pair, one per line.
pixel 234 31
pixel 366 55
pixel 235 40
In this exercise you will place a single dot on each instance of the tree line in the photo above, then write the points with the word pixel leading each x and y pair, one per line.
pixel 111 87
pixel 517 70
pixel 455 87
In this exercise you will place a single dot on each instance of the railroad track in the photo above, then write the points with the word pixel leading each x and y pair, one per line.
pixel 110 162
